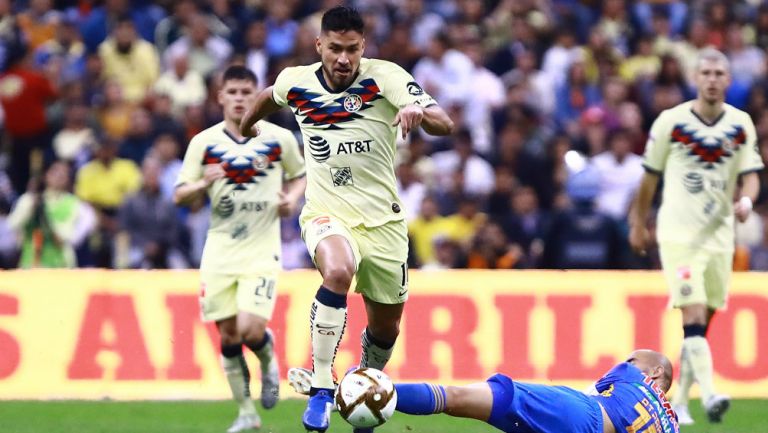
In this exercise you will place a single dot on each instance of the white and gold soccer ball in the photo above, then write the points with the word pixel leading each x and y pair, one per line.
pixel 366 397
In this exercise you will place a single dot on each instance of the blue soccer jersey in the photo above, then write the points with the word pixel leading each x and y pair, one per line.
pixel 634 402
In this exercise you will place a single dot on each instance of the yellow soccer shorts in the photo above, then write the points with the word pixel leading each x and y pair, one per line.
pixel 381 254
pixel 696 276
pixel 224 295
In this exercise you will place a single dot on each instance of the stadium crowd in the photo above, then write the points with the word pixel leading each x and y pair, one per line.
pixel 552 98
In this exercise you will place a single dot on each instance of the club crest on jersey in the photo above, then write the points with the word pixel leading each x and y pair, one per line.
pixel 709 150
pixel 318 110
pixel 353 103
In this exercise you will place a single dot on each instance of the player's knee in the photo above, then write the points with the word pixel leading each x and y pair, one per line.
pixel 338 278
pixel 253 333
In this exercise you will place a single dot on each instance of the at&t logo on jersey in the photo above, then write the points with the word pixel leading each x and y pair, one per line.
pixel 321 150
pixel 709 150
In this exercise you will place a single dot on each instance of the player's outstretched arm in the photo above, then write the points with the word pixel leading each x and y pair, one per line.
pixel 436 121
pixel 263 107
pixel 639 236
pixel 750 187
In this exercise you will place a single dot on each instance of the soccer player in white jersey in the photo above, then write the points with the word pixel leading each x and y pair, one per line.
pixel 702 148
pixel 250 182
pixel 348 108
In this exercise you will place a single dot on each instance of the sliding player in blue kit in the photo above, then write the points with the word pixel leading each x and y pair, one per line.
pixel 629 398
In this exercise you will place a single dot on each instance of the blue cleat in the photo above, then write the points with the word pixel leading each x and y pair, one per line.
pixel 317 416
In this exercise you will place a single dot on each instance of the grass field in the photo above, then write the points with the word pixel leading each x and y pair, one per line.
pixel 746 416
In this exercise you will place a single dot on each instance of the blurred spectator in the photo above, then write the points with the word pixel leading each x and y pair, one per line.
pixel 166 150
pixel 39 22
pixel 256 57
pixel 448 255
pixel 75 141
pixel 105 183
pixel 643 64
pixel 163 119
pixel 294 251
pixel 206 52
pixel 593 128
pixel 417 154
pixel 445 72
pixel 176 25
pixel 677 11
pixel 574 96
pixel 687 50
pixel 150 223
pixel 582 237
pixel 758 254
pixel 668 89
pixel 281 29
pixel 464 224
pixel 64 54
pixel 425 229
pixel 8 241
pixel 102 20
pixel 410 189
pixel 486 95
pixel 491 250
pixel 525 224
pixel 51 221
pixel 397 47
pixel 24 94
pixel 114 112
pixel 614 24
pixel 718 15
pixel 620 173
pixel 747 61
pixel 139 137
pixel 423 24
pixel 537 85
pixel 761 26
pixel 184 86
pixel 559 57
pixel 129 60
pixel 500 199
pixel 477 173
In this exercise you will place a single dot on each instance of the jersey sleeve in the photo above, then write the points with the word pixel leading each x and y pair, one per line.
pixel 192 166
pixel 658 145
pixel 400 88
pixel 283 84
pixel 750 159
pixel 293 163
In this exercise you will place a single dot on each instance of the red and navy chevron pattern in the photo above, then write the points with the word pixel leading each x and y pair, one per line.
pixel 240 169
pixel 329 114
pixel 713 152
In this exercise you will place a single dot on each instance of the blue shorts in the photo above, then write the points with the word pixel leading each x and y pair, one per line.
pixel 528 408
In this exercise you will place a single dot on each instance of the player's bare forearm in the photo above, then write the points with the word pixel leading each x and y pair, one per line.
pixel 643 198
pixel 436 121
pixel 294 188
pixel 750 186
pixel 187 193
pixel 263 107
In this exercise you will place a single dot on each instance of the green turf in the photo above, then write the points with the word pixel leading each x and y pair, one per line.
pixel 746 416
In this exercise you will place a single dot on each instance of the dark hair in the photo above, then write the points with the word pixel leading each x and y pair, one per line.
pixel 341 19
pixel 239 72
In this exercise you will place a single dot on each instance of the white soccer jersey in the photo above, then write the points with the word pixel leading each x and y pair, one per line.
pixel 244 235
pixel 349 139
pixel 701 164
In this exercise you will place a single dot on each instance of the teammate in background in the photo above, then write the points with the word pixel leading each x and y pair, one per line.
pixel 348 108
pixel 702 148
pixel 629 398
pixel 250 182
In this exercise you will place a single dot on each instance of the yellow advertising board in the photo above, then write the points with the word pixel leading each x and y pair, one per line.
pixel 92 334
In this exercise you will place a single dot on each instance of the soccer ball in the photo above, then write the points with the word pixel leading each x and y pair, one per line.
pixel 366 398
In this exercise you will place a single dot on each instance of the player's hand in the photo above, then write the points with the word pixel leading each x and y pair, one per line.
pixel 409 117
pixel 639 238
pixel 253 131
pixel 742 209
pixel 212 173
pixel 286 206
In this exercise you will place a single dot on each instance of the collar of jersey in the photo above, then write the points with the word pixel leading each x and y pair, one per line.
pixel 321 78
pixel 233 138
pixel 710 124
